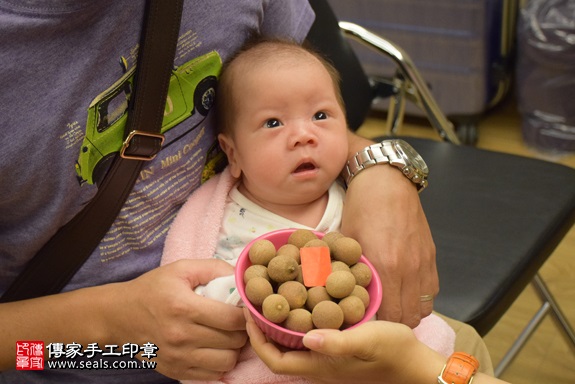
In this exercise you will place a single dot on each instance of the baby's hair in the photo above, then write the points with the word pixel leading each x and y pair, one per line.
pixel 262 49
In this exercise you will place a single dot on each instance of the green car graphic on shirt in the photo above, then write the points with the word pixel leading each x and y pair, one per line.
pixel 192 89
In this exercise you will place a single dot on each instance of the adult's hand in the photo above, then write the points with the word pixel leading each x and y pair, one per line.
pixel 383 212
pixel 374 352
pixel 198 338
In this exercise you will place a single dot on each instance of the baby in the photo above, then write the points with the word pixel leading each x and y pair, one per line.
pixel 284 132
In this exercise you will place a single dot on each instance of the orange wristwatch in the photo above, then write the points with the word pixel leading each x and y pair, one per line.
pixel 459 369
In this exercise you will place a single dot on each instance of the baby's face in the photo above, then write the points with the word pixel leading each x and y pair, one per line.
pixel 290 133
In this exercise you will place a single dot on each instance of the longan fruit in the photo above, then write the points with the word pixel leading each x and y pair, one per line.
pixel 347 250
pixel 299 320
pixel 353 310
pixel 261 252
pixel 327 314
pixel 362 293
pixel 330 238
pixel 290 250
pixel 257 289
pixel 301 236
pixel 283 268
pixel 294 292
pixel 339 266
pixel 362 274
pixel 299 277
pixel 275 308
pixel 315 243
pixel 340 284
pixel 316 295
pixel 255 270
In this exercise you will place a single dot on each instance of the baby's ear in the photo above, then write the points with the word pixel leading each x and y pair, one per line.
pixel 227 145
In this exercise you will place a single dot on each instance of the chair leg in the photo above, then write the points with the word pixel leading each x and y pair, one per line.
pixel 556 310
pixel 522 339
pixel 549 305
pixel 396 108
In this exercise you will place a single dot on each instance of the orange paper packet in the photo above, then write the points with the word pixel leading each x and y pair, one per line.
pixel 315 265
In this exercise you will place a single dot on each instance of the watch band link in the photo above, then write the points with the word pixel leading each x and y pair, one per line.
pixel 365 158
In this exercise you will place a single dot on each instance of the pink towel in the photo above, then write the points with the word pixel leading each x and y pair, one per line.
pixel 194 234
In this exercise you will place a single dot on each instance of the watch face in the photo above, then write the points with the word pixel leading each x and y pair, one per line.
pixel 413 156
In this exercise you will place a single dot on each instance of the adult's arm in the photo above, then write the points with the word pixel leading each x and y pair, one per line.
pixel 197 339
pixel 383 212
pixel 375 352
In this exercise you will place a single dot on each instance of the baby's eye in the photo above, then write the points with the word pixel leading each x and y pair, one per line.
pixel 272 123
pixel 320 116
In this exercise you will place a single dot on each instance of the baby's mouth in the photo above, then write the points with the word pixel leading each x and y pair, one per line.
pixel 305 166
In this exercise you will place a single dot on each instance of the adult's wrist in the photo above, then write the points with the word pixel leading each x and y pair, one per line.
pixel 384 179
pixel 460 368
pixel 109 312
pixel 424 364
pixel 395 153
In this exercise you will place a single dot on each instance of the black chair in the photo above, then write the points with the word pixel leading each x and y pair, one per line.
pixel 495 217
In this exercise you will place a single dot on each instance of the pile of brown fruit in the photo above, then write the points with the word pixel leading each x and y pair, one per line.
pixel 274 283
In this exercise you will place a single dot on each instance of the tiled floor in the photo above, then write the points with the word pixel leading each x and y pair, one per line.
pixel 547 357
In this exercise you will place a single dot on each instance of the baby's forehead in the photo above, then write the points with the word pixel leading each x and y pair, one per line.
pixel 273 55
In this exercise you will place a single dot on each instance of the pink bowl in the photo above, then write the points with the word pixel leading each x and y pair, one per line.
pixel 276 332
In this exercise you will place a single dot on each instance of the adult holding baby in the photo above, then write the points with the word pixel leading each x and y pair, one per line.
pixel 60 57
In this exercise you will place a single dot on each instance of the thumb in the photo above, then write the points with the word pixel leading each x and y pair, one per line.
pixel 360 343
pixel 201 272
pixel 330 342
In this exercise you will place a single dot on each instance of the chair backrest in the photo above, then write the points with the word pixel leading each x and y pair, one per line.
pixel 326 37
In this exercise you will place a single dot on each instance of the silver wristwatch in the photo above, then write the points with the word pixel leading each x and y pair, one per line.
pixel 394 152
